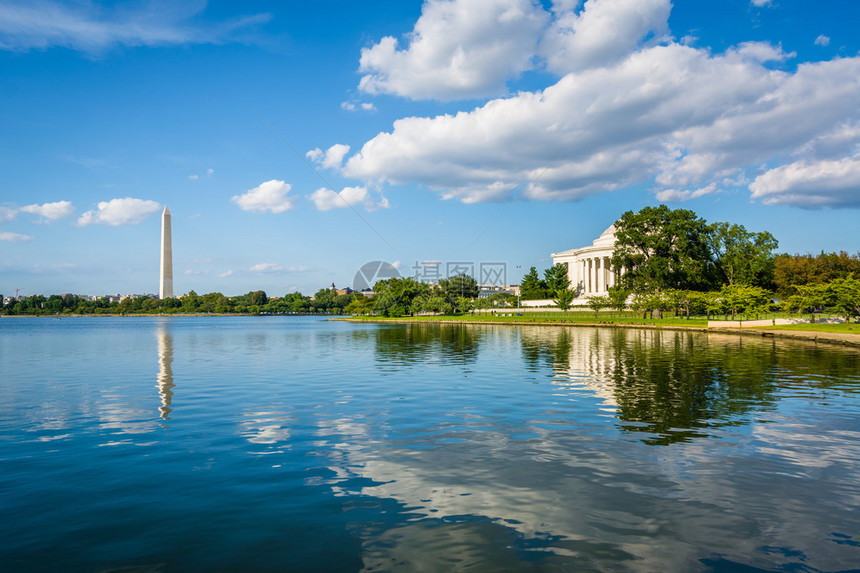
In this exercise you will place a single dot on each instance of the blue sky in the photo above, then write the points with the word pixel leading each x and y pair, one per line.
pixel 295 141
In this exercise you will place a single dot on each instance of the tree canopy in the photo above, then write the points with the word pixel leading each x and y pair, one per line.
pixel 660 248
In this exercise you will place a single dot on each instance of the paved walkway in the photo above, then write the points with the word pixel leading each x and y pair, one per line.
pixel 842 338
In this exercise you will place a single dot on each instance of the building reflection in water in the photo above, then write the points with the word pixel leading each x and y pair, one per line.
pixel 165 370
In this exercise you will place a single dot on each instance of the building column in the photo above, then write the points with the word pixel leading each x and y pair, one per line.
pixel 610 276
pixel 601 275
pixel 592 276
pixel 586 276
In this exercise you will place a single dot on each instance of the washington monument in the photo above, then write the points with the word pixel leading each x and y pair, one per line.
pixel 165 289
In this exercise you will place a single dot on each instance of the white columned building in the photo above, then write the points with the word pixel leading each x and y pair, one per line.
pixel 589 268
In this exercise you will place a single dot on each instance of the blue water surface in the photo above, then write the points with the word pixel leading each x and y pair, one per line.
pixel 301 444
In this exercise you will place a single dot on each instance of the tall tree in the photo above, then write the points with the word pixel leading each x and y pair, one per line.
pixel 556 278
pixel 661 248
pixel 564 298
pixel 532 287
pixel 845 295
pixel 459 285
pixel 743 257
pixel 394 296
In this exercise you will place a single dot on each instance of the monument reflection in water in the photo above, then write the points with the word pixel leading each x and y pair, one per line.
pixel 165 369
pixel 308 445
pixel 757 445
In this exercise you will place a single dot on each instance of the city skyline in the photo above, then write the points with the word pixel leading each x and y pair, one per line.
pixel 296 143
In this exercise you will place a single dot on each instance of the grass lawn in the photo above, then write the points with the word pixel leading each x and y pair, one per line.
pixel 611 318
pixel 572 317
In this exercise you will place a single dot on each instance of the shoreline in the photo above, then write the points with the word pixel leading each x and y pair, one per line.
pixel 832 338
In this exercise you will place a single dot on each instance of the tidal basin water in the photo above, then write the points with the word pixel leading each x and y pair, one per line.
pixel 300 444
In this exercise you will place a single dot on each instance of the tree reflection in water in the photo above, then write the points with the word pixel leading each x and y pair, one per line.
pixel 427 344
pixel 675 386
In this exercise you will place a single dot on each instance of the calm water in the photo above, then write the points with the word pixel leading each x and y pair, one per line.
pixel 296 444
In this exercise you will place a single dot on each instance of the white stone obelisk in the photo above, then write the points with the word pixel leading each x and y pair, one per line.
pixel 165 289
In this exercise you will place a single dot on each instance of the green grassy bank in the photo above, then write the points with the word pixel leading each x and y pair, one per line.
pixel 606 319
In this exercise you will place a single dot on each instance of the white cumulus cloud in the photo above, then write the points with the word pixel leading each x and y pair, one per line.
pixel 52 211
pixel 604 31
pixel 822 40
pixel 14 237
pixel 127 211
pixel 458 49
pixel 670 195
pixel 674 114
pixel 332 158
pixel 270 196
pixel 326 199
pixel 833 183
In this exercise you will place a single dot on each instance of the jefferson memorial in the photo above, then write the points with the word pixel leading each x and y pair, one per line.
pixel 589 268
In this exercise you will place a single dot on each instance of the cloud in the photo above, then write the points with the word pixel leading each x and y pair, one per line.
pixel 332 158
pixel 127 211
pixel 225 274
pixel 269 268
pixel 822 40
pixel 604 31
pixel 670 195
pixel 91 28
pixel 7 214
pixel 195 177
pixel 14 237
pixel 457 49
pixel 268 196
pixel 87 162
pixel 760 3
pixel 671 114
pixel 51 211
pixel 834 183
pixel 326 199
pixel 350 106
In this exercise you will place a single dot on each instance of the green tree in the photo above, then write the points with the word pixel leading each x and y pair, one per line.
pixel 564 298
pixel 809 297
pixel 743 256
pixel 598 303
pixel 459 285
pixel 845 296
pixel 556 278
pixel 618 296
pixel 394 296
pixel 532 287
pixel 714 303
pixel 791 270
pixel 191 302
pixel 661 248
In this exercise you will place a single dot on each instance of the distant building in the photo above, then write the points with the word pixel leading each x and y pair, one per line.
pixel 340 291
pixel 589 268
pixel 488 290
